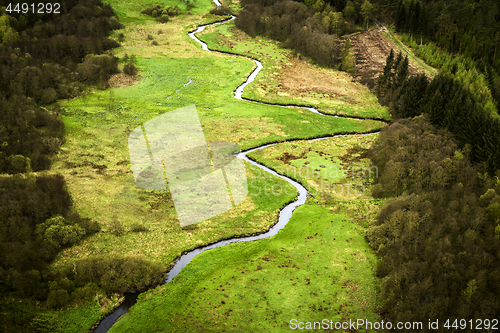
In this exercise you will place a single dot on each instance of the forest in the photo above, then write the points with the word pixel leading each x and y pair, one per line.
pixel 44 58
pixel 41 58
pixel 438 236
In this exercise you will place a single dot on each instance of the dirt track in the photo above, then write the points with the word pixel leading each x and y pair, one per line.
pixel 372 48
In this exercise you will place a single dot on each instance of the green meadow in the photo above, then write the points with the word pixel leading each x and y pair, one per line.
pixel 95 163
pixel 287 80
pixel 318 267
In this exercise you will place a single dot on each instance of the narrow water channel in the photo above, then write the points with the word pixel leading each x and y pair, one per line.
pixel 284 215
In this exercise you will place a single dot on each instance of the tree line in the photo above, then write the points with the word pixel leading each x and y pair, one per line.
pixel 438 236
pixel 439 29
pixel 310 28
pixel 46 57
pixel 448 103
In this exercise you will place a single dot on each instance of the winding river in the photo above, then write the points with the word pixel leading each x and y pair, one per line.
pixel 284 215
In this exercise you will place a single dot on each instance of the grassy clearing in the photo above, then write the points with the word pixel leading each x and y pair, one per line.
pixel 318 267
pixel 287 80
pixel 130 11
pixel 413 58
pixel 78 318
pixel 333 170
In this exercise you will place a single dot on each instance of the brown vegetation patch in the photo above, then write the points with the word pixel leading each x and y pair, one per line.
pixel 287 157
pixel 371 49
pixel 122 80
pixel 303 78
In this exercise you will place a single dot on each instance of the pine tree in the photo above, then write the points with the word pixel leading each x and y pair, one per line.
pixel 402 72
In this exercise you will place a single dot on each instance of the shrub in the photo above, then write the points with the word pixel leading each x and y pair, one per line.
pixel 114 23
pixel 49 95
pixel 137 227
pixel 56 231
pixel 130 69
pixel 189 5
pixel 155 43
pixel 57 298
pixel 120 274
pixel 121 37
pixel 117 227
pixel 163 19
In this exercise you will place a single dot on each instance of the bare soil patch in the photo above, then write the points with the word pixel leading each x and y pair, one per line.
pixel 372 48
pixel 123 80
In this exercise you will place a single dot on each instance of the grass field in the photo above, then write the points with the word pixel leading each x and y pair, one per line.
pixel 318 267
pixel 95 163
pixel 287 80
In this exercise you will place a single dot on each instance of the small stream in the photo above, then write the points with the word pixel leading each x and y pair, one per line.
pixel 284 215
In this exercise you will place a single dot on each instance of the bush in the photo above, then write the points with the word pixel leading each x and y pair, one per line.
pixel 155 43
pixel 56 231
pixel 189 5
pixel 121 37
pixel 57 298
pixel 221 10
pixel 18 163
pixel 86 292
pixel 163 19
pixel 120 274
pixel 117 227
pixel 137 227
pixel 130 69
pixel 97 67
pixel 49 95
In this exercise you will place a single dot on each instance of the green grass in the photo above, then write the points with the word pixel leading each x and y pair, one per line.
pixel 319 266
pixel 130 11
pixel 332 170
pixel 98 126
pixel 31 316
pixel 405 50
pixel 343 96
pixel 95 163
